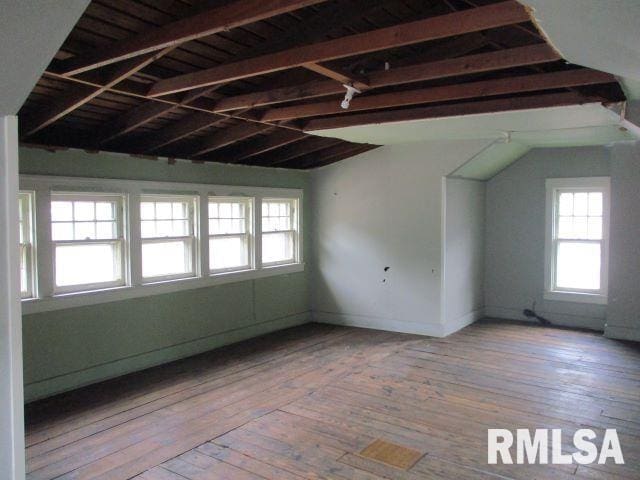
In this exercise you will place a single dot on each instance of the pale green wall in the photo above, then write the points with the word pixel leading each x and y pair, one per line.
pixel 67 348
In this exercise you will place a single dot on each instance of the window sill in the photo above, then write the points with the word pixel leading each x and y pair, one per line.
pixel 95 297
pixel 576 297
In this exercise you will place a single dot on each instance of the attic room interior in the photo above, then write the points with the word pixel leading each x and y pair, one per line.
pixel 319 239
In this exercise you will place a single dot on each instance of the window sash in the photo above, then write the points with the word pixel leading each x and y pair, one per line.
pixel 26 248
pixel 118 199
pixel 555 188
pixel 85 287
pixel 190 258
pixel 247 236
pixel 293 231
pixel 190 240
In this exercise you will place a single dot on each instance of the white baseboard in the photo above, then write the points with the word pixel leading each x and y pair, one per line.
pixel 378 323
pixel 619 332
pixel 70 381
pixel 576 321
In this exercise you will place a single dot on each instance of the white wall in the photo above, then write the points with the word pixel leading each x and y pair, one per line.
pixel 463 253
pixel 623 312
pixel 11 393
pixel 515 235
pixel 383 209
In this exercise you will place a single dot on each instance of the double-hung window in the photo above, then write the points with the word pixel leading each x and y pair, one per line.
pixel 279 231
pixel 230 235
pixel 25 208
pixel 577 239
pixel 88 241
pixel 168 237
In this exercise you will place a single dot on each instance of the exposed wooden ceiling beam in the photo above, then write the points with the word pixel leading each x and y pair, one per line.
pixel 77 96
pixel 472 20
pixel 209 22
pixel 502 86
pixel 265 144
pixel 483 62
pixel 464 108
pixel 330 155
pixel 308 30
pixel 308 145
pixel 228 136
pixel 343 78
pixel 178 130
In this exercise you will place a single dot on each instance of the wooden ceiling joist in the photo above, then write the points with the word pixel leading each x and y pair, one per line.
pixel 458 23
pixel 178 130
pixel 266 144
pixel 458 109
pixel 78 95
pixel 483 62
pixel 209 22
pixel 331 155
pixel 308 145
pixel 502 86
pixel 227 137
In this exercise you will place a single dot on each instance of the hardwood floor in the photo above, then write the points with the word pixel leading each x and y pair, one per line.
pixel 304 404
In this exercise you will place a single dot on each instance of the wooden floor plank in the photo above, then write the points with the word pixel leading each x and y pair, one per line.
pixel 304 403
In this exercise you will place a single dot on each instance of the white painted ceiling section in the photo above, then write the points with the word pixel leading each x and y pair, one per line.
pixel 513 133
pixel 31 32
pixel 599 34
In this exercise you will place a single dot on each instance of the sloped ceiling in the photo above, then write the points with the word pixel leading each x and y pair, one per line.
pixel 600 34
pixel 514 133
pixel 31 32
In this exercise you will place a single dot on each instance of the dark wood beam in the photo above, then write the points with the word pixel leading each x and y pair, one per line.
pixel 308 145
pixel 77 96
pixel 313 29
pixel 178 130
pixel 483 62
pixel 330 155
pixel 266 144
pixel 502 86
pixel 228 136
pixel 458 23
pixel 209 22
pixel 343 78
pixel 458 109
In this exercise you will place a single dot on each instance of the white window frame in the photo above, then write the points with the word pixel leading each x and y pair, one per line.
pixel 249 203
pixel 120 240
pixel 27 246
pixel 48 300
pixel 295 221
pixel 192 201
pixel 555 186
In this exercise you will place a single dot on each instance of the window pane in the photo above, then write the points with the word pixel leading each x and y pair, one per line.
pixel 105 211
pixel 62 231
pixel 163 210
pixel 147 211
pixel 166 258
pixel 595 204
pixel 580 203
pixel 228 252
pixel 595 228
pixel 565 227
pixel 61 211
pixel 580 227
pixel 24 271
pixel 277 247
pixel 578 265
pixel 106 230
pixel 87 264
pixel 83 211
pixel 84 231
